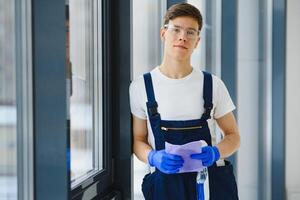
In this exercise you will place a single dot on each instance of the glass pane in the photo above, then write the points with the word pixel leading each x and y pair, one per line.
pixel 8 120
pixel 85 113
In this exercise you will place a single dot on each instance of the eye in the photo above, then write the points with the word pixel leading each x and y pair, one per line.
pixel 191 32
pixel 176 30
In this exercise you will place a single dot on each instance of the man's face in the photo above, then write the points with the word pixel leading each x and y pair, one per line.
pixel 180 37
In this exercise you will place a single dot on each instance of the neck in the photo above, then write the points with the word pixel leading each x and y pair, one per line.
pixel 175 68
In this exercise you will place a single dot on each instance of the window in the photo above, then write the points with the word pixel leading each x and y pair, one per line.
pixel 8 112
pixel 16 148
pixel 85 71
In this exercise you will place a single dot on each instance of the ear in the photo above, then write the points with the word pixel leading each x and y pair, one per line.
pixel 197 42
pixel 162 34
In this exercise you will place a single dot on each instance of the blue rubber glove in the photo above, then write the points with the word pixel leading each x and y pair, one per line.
pixel 208 156
pixel 165 162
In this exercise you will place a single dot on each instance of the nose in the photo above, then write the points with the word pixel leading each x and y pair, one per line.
pixel 182 36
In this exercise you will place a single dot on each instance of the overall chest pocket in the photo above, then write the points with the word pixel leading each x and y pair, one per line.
pixel 182 135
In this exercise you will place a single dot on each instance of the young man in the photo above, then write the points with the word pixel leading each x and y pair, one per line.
pixel 179 105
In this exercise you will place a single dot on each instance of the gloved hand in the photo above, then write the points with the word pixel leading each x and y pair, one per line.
pixel 208 156
pixel 165 162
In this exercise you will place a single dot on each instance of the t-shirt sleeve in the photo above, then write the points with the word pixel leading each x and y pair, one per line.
pixel 136 100
pixel 223 101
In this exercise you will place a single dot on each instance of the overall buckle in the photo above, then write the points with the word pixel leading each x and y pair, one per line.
pixel 152 108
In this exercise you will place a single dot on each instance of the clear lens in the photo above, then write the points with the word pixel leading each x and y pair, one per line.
pixel 177 31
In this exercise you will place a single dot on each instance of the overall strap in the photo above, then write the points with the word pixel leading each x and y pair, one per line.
pixel 154 116
pixel 151 103
pixel 207 95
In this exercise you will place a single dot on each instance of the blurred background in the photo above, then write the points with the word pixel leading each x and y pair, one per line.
pixel 64 73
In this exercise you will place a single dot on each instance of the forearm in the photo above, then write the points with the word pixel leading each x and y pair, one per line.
pixel 141 149
pixel 229 144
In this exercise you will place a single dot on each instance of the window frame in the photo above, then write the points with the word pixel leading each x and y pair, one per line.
pixel 52 180
pixel 94 63
pixel 98 183
pixel 49 100
pixel 25 173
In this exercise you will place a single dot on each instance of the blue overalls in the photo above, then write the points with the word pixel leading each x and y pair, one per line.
pixel 182 186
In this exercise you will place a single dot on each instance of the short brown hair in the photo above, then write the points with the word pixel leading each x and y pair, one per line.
pixel 183 9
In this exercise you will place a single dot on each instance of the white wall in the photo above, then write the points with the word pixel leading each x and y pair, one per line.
pixel 147 18
pixel 247 98
pixel 198 59
pixel 292 100
pixel 198 56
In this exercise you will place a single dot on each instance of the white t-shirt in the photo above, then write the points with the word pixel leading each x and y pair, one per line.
pixel 180 99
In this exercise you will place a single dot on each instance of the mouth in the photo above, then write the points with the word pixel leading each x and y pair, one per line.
pixel 180 46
